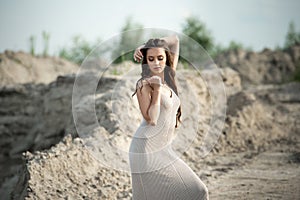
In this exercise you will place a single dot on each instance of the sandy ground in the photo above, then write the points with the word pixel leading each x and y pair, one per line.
pixel 273 174
pixel 68 171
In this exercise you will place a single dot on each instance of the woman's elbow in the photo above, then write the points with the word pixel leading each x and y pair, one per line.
pixel 152 123
pixel 176 38
pixel 149 120
pixel 147 117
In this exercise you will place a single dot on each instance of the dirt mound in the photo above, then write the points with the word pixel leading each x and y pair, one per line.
pixel 69 171
pixel 21 67
pixel 266 67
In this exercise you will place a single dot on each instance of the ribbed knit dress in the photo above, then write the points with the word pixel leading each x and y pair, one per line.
pixel 157 173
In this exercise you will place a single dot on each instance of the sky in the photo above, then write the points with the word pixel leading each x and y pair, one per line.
pixel 257 24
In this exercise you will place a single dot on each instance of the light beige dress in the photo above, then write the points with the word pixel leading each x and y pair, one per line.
pixel 157 173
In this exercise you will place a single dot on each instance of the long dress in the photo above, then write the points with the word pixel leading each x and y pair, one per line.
pixel 157 173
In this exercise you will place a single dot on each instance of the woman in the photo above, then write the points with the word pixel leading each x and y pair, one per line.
pixel 157 172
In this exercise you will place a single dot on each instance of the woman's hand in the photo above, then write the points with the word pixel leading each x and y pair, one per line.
pixel 155 82
pixel 137 55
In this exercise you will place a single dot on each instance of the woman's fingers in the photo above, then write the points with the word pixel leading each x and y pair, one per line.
pixel 137 55
pixel 155 80
pixel 137 59
pixel 140 53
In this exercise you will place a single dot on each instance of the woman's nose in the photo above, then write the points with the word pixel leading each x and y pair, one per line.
pixel 156 61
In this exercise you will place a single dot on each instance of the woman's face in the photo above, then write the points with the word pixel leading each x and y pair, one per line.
pixel 156 59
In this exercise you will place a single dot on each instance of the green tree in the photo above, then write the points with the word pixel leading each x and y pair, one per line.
pixel 235 45
pixel 196 29
pixel 46 37
pixel 292 37
pixel 78 51
pixel 128 40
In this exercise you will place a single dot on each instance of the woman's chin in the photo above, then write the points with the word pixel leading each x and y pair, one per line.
pixel 157 71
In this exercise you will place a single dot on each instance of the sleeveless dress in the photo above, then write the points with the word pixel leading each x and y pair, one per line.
pixel 157 173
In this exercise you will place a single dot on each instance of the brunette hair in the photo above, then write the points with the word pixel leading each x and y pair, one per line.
pixel 169 73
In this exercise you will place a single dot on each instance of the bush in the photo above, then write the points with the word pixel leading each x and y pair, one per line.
pixel 292 37
pixel 78 51
pixel 129 40
pixel 196 29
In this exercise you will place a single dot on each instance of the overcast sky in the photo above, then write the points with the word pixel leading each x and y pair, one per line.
pixel 255 23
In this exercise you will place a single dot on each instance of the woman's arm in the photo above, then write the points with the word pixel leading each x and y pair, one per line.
pixel 173 43
pixel 154 109
pixel 149 102
pixel 144 99
pixel 137 55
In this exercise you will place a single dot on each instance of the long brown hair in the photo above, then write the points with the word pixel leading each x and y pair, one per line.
pixel 169 73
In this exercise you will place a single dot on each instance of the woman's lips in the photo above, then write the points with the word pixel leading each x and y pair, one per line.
pixel 157 67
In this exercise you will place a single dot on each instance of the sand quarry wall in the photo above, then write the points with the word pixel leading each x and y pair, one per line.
pixel 36 116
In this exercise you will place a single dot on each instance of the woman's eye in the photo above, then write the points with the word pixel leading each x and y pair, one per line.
pixel 150 59
pixel 160 58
